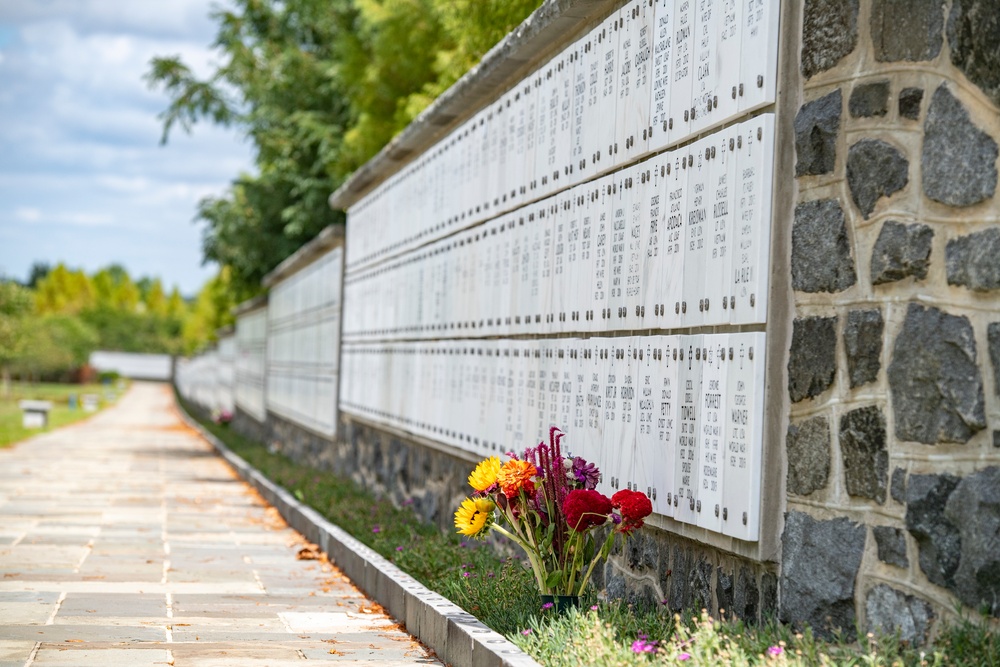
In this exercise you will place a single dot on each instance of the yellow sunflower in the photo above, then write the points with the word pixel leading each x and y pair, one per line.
pixel 485 474
pixel 474 517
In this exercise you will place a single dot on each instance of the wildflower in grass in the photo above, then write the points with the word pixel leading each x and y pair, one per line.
pixel 683 656
pixel 526 631
pixel 586 508
pixel 376 529
pixel 399 548
pixel 515 476
pixel 474 517
pixel 775 651
pixel 593 607
pixel 643 645
pixel 484 477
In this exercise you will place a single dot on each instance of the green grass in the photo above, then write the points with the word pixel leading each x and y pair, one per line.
pixel 11 430
pixel 501 592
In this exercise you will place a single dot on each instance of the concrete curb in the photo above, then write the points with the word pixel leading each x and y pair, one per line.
pixel 457 636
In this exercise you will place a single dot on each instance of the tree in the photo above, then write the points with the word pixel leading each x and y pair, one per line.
pixel 15 305
pixel 38 271
pixel 318 86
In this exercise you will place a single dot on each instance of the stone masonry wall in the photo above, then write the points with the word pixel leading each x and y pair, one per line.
pixel 893 445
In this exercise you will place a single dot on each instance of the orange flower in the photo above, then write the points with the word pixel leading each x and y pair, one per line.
pixel 516 475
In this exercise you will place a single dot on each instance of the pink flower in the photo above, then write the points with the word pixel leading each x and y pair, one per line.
pixel 593 607
pixel 526 632
pixel 643 645
pixel 775 651
pixel 376 529
pixel 399 548
pixel 547 605
pixel 684 656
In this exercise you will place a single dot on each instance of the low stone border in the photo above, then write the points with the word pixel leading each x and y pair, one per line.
pixel 458 637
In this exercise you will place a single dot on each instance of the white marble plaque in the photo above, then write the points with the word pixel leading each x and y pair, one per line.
pixel 715 371
pixel 601 233
pixel 621 219
pixel 644 449
pixel 674 246
pixel 655 209
pixel 719 226
pixel 579 53
pixel 686 473
pixel 634 80
pixel 558 319
pixel 759 49
pixel 564 134
pixel 607 48
pixel 748 284
pixel 744 436
pixel 699 203
pixel 683 70
pixel 661 71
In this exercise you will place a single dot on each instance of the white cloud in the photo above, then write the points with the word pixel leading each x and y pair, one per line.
pixel 79 144
pixel 28 214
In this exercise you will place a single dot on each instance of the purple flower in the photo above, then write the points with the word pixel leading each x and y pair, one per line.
pixel 376 529
pixel 526 632
pixel 593 607
pixel 684 656
pixel 585 473
pixel 643 645
pixel 490 575
pixel 548 605
pixel 399 548
pixel 775 651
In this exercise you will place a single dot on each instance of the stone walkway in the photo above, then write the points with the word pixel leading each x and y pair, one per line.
pixel 126 541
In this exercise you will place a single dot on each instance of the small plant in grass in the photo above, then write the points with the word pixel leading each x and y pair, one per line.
pixel 547 505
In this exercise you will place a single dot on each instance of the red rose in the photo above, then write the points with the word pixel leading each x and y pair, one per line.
pixel 586 508
pixel 634 506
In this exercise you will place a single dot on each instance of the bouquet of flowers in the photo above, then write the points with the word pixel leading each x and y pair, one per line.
pixel 548 504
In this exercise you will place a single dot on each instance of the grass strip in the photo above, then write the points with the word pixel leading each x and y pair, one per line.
pixel 501 592
pixel 11 429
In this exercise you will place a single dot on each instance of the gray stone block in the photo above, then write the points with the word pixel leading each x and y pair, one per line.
pixel 746 597
pixel 821 250
pixel 820 561
pixel 959 160
pixel 808 446
pixel 935 382
pixel 863 345
pixel 891 543
pixel 812 360
pixel 907 29
pixel 679 591
pixel 829 32
pixel 768 596
pixel 863 448
pixel 724 591
pixel 816 128
pixel 889 611
pixel 909 103
pixel 897 485
pixel 700 584
pixel 973 261
pixel 901 251
pixel 974 507
pixel 993 341
pixel 939 542
pixel 869 99
pixel 875 169
pixel 974 38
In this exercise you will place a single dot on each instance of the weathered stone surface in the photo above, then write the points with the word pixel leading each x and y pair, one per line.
pixel 891 543
pixel 869 99
pixel 863 344
pixel 973 261
pixel 862 446
pixel 746 596
pixel 901 251
pixel 724 591
pixel 875 169
pixel 937 389
pixel 907 29
pixel 820 561
pixel 993 340
pixel 829 32
pixel 821 251
pixel 909 102
pixel 812 361
pixel 996 439
pixel 680 597
pixel 890 611
pixel 816 127
pixel 768 596
pixel 974 38
pixel 975 508
pixel 700 584
pixel 958 160
pixel 939 543
pixel 956 523
pixel 897 485
pixel 808 445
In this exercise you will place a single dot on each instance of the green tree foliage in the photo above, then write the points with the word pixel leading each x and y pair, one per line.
pixel 15 305
pixel 319 87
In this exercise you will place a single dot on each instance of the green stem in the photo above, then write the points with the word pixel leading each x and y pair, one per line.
pixel 605 550
pixel 536 566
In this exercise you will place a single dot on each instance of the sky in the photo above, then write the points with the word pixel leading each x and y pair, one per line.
pixel 83 177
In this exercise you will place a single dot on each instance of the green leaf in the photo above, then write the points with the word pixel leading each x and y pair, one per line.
pixel 553 579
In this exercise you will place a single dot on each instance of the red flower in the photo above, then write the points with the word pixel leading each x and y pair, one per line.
pixel 586 508
pixel 634 506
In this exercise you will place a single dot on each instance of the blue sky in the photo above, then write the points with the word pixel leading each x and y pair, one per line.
pixel 83 178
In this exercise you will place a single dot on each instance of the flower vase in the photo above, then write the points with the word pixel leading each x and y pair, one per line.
pixel 561 603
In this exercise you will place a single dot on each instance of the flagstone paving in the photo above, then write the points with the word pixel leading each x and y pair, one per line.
pixel 124 540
